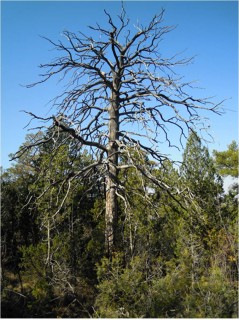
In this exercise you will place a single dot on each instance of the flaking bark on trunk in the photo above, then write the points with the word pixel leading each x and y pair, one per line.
pixel 111 211
pixel 111 180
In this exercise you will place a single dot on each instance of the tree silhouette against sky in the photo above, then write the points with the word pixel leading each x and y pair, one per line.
pixel 122 97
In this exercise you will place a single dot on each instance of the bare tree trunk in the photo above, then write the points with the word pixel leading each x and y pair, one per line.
pixel 111 213
pixel 111 181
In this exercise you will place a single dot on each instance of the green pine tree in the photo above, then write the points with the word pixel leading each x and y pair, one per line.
pixel 227 161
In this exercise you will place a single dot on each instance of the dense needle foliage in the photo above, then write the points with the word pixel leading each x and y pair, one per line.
pixel 171 260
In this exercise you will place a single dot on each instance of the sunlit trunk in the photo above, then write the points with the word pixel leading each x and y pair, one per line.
pixel 111 181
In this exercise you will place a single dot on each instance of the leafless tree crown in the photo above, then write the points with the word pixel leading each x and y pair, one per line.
pixel 121 95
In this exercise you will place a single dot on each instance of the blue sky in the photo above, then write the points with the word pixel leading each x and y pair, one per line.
pixel 206 29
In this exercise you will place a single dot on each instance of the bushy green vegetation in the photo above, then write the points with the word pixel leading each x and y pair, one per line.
pixel 227 161
pixel 175 257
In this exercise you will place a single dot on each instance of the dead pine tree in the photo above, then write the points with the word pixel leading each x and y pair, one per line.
pixel 122 96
